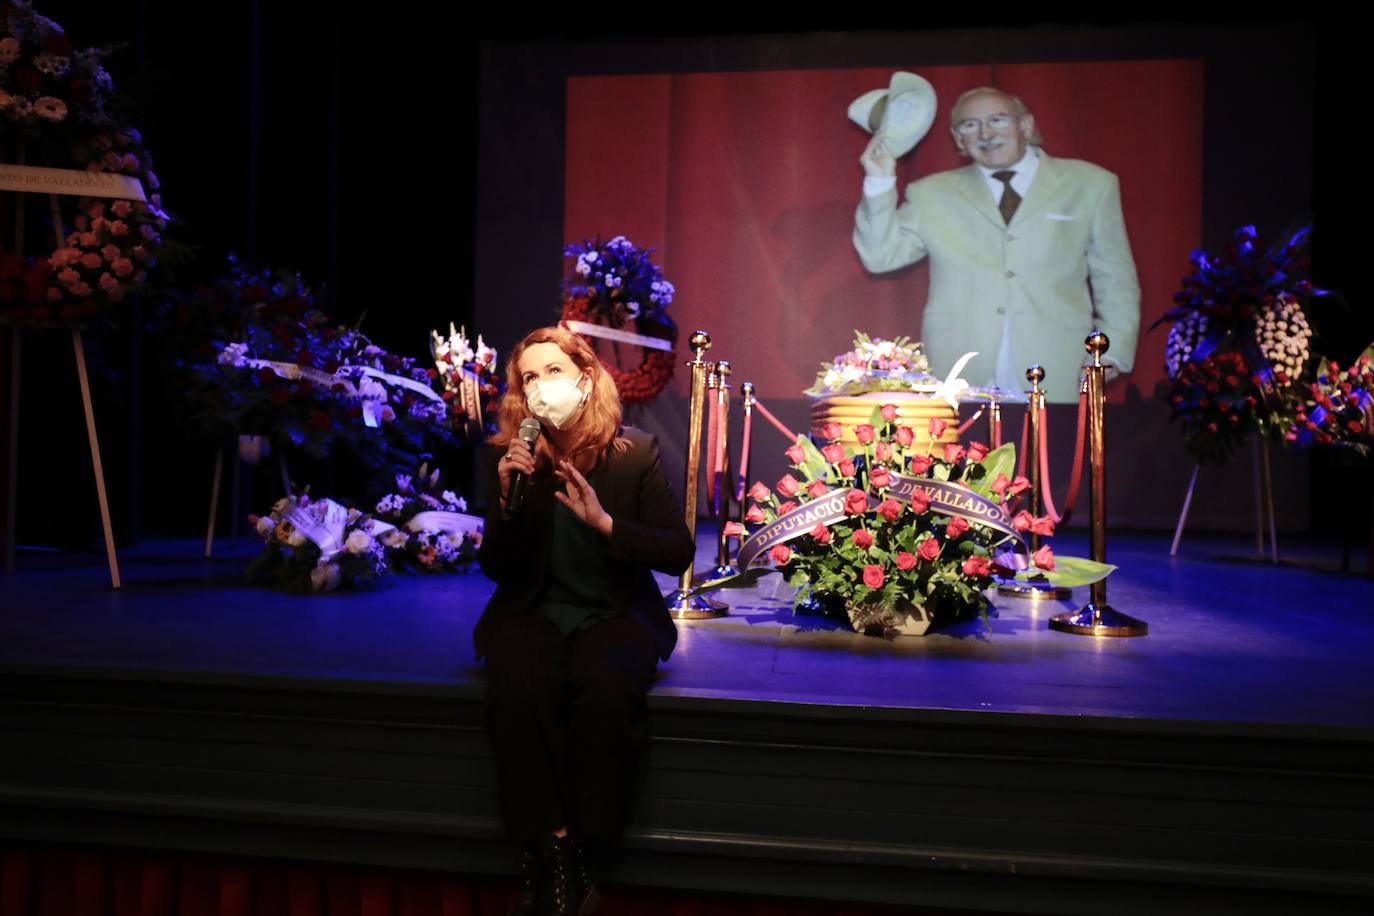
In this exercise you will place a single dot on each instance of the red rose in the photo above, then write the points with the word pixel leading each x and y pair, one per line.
pixel 754 516
pixel 920 501
pixel 955 527
pixel 954 452
pixel 1022 521
pixel 816 489
pixel 831 431
pixel 856 503
pixel 796 454
pixel 873 576
pixel 821 535
pixel 1018 485
pixel 781 554
pixel 888 412
pixel 977 451
pixel 864 432
pixel 905 436
pixel 846 468
pixel 906 561
pixel 890 509
pixel 1043 525
pixel 280 396
pixel 759 493
pixel 862 539
pixel 882 452
pixel 976 566
pixel 937 427
pixel 999 486
pixel 928 549
pixel 920 464
pixel 734 530
pixel 880 478
pixel 784 508
pixel 1044 558
pixel 787 485
pixel 834 453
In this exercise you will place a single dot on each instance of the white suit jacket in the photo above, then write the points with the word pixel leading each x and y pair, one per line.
pixel 1067 231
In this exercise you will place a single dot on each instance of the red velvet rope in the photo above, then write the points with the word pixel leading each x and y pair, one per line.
pixel 791 436
pixel 1025 440
pixel 712 446
pixel 1076 475
pixel 741 481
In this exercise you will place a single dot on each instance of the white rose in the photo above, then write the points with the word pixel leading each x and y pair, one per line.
pixel 295 539
pixel 265 526
pixel 358 542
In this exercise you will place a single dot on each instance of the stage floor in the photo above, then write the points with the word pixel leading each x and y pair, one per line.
pixel 1231 638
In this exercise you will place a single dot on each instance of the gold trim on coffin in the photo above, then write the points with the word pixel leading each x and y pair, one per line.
pixel 913 410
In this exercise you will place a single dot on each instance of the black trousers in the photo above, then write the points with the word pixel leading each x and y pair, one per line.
pixel 565 718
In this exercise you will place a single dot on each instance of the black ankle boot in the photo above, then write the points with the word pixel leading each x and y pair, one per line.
pixel 529 903
pixel 570 891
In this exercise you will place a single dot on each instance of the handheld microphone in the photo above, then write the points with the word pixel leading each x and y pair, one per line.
pixel 529 432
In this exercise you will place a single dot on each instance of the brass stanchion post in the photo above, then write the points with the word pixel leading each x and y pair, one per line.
pixel 724 485
pixel 1036 406
pixel 995 424
pixel 1097 618
pixel 681 603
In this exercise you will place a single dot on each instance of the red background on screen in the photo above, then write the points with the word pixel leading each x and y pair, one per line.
pixel 746 184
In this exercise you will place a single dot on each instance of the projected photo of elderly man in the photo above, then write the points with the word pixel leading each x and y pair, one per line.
pixel 1028 252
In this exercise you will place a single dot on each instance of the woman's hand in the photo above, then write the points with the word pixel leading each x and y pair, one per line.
pixel 581 499
pixel 518 458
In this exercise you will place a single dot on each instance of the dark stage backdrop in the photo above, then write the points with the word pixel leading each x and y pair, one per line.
pixel 413 167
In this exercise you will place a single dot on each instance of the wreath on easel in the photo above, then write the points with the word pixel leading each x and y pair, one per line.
pixel 54 107
pixel 614 287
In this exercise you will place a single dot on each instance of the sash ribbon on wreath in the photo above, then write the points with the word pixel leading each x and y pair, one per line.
pixel 946 498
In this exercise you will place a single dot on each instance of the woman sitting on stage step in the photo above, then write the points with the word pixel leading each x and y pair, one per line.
pixel 577 624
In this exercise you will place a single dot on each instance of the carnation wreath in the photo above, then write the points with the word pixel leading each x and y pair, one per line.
pixel 615 283
pixel 56 100
pixel 641 384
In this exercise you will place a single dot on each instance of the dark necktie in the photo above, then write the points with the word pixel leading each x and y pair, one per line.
pixel 1010 199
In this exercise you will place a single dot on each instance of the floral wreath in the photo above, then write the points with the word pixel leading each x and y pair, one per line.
pixel 57 99
pixel 641 384
pixel 618 283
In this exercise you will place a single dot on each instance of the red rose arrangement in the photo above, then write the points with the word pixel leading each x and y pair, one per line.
pixel 1339 408
pixel 1238 344
pixel 55 100
pixel 885 554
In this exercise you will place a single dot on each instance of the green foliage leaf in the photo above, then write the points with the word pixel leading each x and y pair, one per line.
pixel 1001 460
pixel 815 465
pixel 1070 572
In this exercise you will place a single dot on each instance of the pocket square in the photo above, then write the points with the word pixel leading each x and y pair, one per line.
pixel 1060 217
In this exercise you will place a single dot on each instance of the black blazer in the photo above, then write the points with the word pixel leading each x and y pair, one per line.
pixel 648 533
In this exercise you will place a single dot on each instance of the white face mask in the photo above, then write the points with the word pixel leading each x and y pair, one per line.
pixel 555 401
